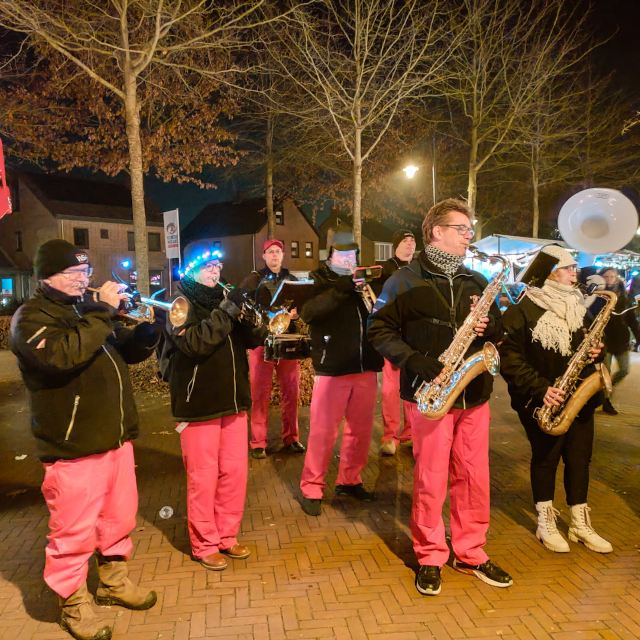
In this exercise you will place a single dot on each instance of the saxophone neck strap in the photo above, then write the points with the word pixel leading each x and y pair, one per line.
pixel 452 324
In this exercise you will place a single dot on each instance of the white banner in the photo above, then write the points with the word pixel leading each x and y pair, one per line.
pixel 172 234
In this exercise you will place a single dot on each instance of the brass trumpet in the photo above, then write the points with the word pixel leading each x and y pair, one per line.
pixel 140 308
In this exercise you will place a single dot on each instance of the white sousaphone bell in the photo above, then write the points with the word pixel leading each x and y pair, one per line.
pixel 598 221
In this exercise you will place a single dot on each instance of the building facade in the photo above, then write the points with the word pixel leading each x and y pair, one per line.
pixel 95 216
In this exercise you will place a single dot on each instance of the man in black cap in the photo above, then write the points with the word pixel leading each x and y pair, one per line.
pixel 73 356
pixel 345 385
pixel 404 245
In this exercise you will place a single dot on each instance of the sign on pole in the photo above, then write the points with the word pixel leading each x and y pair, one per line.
pixel 172 234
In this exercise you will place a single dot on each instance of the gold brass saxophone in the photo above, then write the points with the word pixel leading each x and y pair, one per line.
pixel 435 399
pixel 557 420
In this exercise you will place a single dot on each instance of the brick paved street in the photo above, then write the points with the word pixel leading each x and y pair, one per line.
pixel 349 573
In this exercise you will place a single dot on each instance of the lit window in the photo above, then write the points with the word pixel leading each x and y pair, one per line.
pixel 308 249
pixel 384 251
pixel 280 217
pixel 295 249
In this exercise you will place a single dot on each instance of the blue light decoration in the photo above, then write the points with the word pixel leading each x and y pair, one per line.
pixel 635 273
pixel 599 263
pixel 125 264
pixel 216 254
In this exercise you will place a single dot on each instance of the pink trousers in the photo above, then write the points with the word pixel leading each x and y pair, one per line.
pixel 288 374
pixel 92 503
pixel 455 447
pixel 352 397
pixel 391 406
pixel 215 458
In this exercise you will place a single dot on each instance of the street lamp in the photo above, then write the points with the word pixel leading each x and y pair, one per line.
pixel 411 171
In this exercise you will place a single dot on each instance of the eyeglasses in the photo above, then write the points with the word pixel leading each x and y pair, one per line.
pixel 210 266
pixel 571 267
pixel 274 252
pixel 462 229
pixel 77 275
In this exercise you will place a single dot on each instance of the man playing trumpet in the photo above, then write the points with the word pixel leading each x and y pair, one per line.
pixel 73 356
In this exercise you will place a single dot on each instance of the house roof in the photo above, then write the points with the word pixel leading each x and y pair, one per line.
pixel 78 198
pixel 372 229
pixel 222 219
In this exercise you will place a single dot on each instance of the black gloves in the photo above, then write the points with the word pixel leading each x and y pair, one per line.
pixel 424 367
pixel 238 297
pixel 344 284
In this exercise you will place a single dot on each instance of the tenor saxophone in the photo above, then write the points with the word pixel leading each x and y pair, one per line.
pixel 434 399
pixel 556 420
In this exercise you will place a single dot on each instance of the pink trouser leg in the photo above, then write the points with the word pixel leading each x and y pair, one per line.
pixel 288 374
pixel 93 503
pixel 391 406
pixel 261 382
pixel 215 458
pixel 333 398
pixel 457 445
pixel 358 428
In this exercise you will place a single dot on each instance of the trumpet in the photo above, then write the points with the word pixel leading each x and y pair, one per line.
pixel 250 311
pixel 141 308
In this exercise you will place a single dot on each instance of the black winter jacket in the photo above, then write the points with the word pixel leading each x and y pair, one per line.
pixel 528 368
pixel 73 358
pixel 205 362
pixel 388 269
pixel 616 333
pixel 419 311
pixel 337 320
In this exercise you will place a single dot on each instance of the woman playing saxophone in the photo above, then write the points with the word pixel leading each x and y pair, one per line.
pixel 542 334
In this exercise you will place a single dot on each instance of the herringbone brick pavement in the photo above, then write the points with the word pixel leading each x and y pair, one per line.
pixel 349 573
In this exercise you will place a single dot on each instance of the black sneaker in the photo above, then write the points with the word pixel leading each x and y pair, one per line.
pixel 488 572
pixel 312 506
pixel 428 581
pixel 259 453
pixel 295 447
pixel 608 408
pixel 355 491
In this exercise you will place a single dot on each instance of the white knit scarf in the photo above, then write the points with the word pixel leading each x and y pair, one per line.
pixel 564 314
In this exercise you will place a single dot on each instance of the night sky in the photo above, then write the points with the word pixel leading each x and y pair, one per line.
pixel 620 56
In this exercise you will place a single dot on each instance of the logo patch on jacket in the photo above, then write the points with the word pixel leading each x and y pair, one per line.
pixel 82 258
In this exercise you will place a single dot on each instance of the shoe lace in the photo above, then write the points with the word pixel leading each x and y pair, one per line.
pixel 551 515
pixel 586 518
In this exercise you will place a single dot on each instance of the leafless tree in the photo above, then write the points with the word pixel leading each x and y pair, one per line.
pixel 118 43
pixel 359 64
pixel 510 52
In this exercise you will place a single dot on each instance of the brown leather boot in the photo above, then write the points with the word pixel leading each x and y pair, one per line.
pixel 78 618
pixel 116 588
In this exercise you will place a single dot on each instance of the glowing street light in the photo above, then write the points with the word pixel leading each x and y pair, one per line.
pixel 411 171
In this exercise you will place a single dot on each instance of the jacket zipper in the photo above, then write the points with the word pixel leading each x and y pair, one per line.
pixel 361 361
pixel 233 361
pixel 192 383
pixel 121 394
pixel 76 402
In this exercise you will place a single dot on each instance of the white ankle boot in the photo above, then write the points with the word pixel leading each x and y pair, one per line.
pixel 582 531
pixel 547 531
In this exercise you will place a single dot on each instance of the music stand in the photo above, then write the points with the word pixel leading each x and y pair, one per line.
pixel 292 293
pixel 538 270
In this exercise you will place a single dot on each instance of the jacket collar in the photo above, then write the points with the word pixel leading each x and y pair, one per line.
pixel 270 275
pixel 426 265
pixel 53 295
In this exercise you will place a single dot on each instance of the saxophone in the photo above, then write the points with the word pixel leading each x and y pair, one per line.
pixel 434 399
pixel 556 420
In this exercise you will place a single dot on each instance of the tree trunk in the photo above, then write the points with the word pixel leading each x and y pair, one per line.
pixel 357 188
pixel 472 188
pixel 271 216
pixel 535 184
pixel 132 114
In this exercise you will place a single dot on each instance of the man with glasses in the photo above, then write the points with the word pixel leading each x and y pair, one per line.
pixel 262 285
pixel 73 356
pixel 414 321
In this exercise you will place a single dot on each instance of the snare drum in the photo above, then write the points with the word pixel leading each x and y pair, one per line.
pixel 290 346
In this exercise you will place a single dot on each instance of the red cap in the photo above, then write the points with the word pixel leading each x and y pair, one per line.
pixel 270 243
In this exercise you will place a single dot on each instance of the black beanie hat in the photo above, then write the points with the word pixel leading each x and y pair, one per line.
pixel 400 235
pixel 55 256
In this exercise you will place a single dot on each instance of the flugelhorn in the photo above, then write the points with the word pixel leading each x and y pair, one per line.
pixel 140 308
pixel 250 312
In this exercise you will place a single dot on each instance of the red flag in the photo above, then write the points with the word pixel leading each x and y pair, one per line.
pixel 5 197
